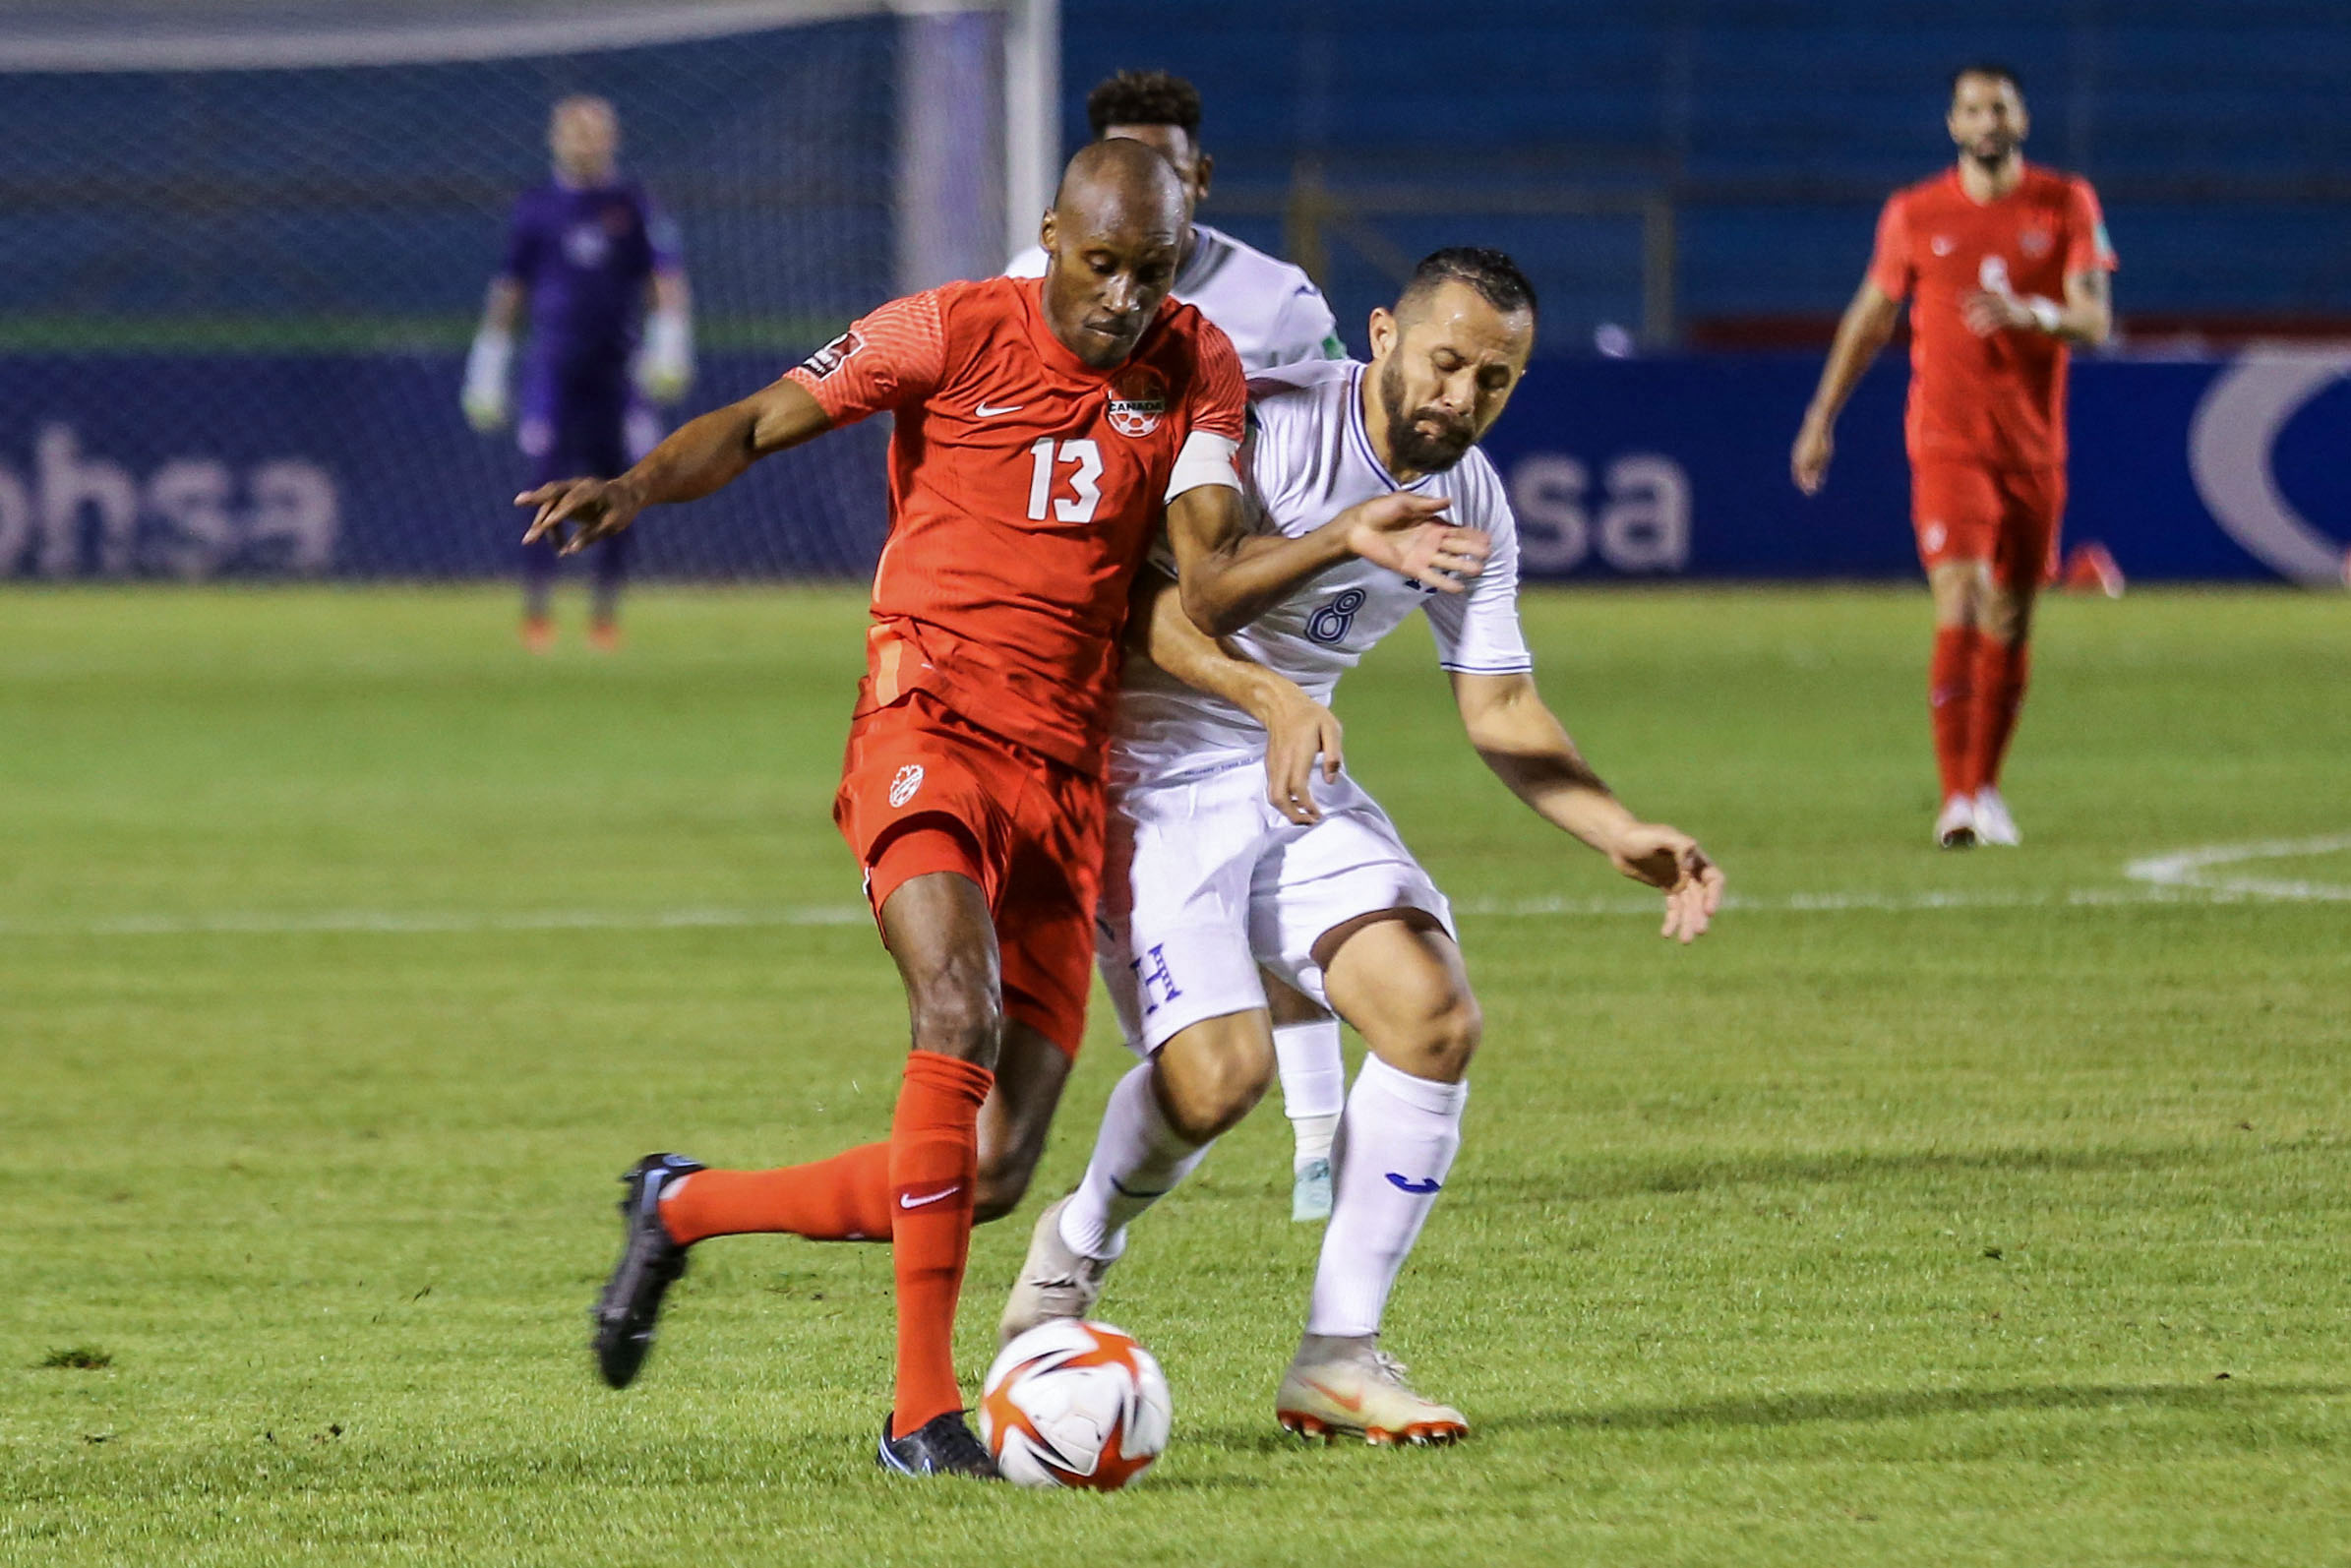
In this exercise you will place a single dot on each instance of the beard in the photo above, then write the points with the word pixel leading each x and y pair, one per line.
pixel 1993 151
pixel 1408 446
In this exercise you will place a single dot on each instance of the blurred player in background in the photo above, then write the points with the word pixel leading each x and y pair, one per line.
pixel 1044 431
pixel 2005 266
pixel 592 259
pixel 1275 315
pixel 1228 852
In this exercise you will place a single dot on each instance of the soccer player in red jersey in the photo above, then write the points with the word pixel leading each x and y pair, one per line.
pixel 2005 266
pixel 1046 429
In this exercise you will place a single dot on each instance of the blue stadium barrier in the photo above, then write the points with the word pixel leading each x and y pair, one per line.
pixel 360 467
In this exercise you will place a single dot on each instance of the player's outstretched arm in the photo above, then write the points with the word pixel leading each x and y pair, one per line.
pixel 700 456
pixel 1231 575
pixel 1868 323
pixel 1299 731
pixel 1519 737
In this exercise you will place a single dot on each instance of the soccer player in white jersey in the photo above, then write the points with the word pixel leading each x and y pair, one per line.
pixel 1271 310
pixel 1230 848
pixel 1275 315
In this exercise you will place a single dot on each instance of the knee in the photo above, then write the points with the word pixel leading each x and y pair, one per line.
pixel 1002 1182
pixel 956 1012
pixel 1207 1085
pixel 1441 1039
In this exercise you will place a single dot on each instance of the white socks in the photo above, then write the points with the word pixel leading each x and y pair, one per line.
pixel 1314 1085
pixel 1395 1147
pixel 1138 1159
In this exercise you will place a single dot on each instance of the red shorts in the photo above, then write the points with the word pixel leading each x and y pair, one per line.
pixel 923 790
pixel 2008 517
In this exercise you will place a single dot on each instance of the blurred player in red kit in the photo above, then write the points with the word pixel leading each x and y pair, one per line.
pixel 1044 431
pixel 2005 266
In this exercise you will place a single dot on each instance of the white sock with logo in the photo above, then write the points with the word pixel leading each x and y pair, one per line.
pixel 1314 1085
pixel 1138 1159
pixel 1395 1147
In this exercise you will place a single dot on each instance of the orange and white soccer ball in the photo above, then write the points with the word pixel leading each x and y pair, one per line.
pixel 1072 1404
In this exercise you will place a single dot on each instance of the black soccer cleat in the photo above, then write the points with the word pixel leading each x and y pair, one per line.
pixel 942 1446
pixel 650 1263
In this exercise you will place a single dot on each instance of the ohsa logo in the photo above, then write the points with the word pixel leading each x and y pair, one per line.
pixel 1138 398
pixel 909 779
pixel 832 356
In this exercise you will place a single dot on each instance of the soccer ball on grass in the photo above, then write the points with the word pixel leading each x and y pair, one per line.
pixel 1072 1404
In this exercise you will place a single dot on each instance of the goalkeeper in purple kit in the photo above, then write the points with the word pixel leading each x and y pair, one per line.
pixel 599 273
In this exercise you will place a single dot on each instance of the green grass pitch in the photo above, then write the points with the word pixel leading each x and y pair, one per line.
pixel 1936 1209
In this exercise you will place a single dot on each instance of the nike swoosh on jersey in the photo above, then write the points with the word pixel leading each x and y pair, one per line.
pixel 986 412
pixel 1424 1185
pixel 907 1200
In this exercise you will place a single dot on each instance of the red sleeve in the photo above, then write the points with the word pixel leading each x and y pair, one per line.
pixel 2086 246
pixel 1220 395
pixel 893 356
pixel 1890 264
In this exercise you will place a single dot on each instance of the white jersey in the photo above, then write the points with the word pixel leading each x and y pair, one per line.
pixel 1271 310
pixel 1307 459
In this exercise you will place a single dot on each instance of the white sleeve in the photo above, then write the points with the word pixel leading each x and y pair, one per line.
pixel 1303 328
pixel 1206 460
pixel 1477 632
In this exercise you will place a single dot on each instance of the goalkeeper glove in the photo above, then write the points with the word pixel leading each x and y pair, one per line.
pixel 665 363
pixel 484 399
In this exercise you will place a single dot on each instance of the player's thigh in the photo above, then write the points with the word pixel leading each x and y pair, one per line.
pixel 1175 912
pixel 1212 1072
pixel 1955 511
pixel 1350 864
pixel 940 932
pixel 1398 978
pixel 2032 513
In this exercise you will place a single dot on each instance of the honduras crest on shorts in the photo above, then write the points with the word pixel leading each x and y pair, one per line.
pixel 1138 399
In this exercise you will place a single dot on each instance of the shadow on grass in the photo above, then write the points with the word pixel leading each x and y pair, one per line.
pixel 1795 1409
pixel 1824 1168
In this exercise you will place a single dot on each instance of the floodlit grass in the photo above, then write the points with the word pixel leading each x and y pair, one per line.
pixel 1988 1209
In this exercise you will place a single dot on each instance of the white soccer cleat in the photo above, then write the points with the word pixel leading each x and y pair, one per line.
pixel 1993 825
pixel 1056 1281
pixel 1350 1385
pixel 1310 1190
pixel 1955 827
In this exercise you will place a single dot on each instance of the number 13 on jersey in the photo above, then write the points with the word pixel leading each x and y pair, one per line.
pixel 1085 484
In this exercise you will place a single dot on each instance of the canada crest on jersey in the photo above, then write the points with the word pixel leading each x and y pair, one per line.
pixel 1138 400
pixel 2035 243
pixel 832 356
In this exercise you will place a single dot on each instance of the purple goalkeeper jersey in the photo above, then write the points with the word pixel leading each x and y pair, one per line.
pixel 584 253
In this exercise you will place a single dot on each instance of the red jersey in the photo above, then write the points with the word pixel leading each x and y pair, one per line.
pixel 1997 402
pixel 1025 491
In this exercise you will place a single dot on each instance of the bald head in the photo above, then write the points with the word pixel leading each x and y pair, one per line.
pixel 1111 242
pixel 1120 178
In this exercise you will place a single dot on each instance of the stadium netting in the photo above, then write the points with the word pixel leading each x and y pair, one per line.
pixel 239 266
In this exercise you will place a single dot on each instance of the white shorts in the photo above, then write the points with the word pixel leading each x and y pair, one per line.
pixel 1204 881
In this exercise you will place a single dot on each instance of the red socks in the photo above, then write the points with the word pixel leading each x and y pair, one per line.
pixel 846 1198
pixel 916 1190
pixel 2000 672
pixel 934 1166
pixel 1951 688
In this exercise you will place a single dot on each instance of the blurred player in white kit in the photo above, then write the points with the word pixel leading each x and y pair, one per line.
pixel 1233 848
pixel 1275 315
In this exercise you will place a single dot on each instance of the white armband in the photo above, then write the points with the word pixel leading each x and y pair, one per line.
pixel 2047 314
pixel 1206 460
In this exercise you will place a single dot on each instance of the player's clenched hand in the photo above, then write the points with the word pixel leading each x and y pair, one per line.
pixel 1670 860
pixel 1989 310
pixel 574 514
pixel 1808 463
pixel 1299 731
pixel 1401 531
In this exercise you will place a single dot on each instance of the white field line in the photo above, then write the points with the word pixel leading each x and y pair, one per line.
pixel 2182 878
